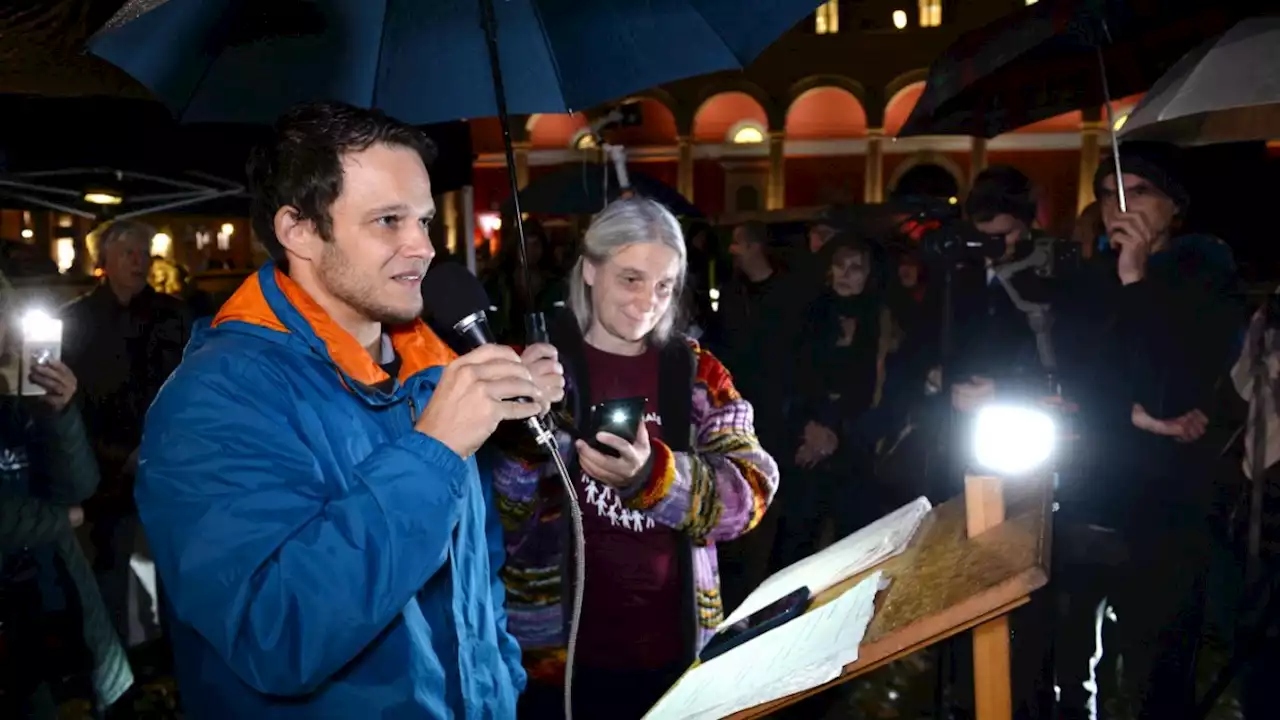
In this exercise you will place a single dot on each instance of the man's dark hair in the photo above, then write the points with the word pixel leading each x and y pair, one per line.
pixel 999 190
pixel 301 165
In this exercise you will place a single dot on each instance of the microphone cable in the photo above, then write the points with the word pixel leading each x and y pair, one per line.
pixel 546 438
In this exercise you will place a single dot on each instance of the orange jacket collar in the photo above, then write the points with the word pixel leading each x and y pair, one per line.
pixel 418 347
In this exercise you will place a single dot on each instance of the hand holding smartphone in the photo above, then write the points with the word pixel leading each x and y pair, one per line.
pixel 617 417
pixel 41 345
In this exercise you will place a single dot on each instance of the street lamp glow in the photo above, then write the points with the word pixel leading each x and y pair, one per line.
pixel 1013 440
pixel 900 19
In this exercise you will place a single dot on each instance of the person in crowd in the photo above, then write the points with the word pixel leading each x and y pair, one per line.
pixel 1162 299
pixel 308 483
pixel 47 587
pixel 1256 377
pixel 993 336
pixel 653 513
pixel 757 346
pixel 122 340
pixel 506 285
pixel 842 346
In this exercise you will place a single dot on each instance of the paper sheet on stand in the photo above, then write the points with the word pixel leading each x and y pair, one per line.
pixel 873 544
pixel 802 654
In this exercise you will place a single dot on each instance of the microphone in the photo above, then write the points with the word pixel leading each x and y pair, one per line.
pixel 457 300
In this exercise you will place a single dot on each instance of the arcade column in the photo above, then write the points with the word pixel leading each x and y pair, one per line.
pixel 684 167
pixel 1090 152
pixel 522 163
pixel 873 183
pixel 776 191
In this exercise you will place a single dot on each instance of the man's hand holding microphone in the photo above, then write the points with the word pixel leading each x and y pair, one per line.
pixel 487 386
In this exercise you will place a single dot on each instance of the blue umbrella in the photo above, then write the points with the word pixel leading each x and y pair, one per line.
pixel 426 61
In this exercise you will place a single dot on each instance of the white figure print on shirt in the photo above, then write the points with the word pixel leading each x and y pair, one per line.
pixel 605 502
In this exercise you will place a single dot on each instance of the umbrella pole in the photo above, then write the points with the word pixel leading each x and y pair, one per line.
pixel 490 24
pixel 1111 125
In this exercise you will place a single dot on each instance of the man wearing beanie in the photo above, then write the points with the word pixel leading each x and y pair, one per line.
pixel 1166 330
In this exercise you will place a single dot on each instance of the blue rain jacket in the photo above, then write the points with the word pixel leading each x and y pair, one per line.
pixel 319 557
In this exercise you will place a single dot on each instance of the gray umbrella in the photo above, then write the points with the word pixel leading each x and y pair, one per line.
pixel 1227 90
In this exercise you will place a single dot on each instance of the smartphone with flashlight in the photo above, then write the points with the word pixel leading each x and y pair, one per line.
pixel 617 417
pixel 41 345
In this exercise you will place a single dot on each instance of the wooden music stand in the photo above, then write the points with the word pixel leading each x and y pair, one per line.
pixel 973 560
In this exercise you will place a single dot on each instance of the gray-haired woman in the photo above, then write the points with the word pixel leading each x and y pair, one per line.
pixel 652 514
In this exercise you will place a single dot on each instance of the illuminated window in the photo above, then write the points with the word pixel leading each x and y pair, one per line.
pixel 584 140
pixel 66 253
pixel 827 20
pixel 930 13
pixel 747 132
pixel 161 243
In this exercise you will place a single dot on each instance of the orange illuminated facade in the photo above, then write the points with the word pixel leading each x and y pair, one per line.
pixel 812 122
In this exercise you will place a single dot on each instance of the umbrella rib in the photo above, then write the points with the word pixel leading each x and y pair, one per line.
pixel 694 7
pixel 382 43
pixel 551 53
pixel 208 68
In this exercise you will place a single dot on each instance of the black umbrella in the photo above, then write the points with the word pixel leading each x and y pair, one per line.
pixel 585 188
pixel 1045 60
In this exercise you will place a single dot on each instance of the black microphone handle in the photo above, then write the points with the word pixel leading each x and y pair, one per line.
pixel 474 332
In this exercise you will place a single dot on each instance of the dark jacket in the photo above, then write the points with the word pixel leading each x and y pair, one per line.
pixel 1165 343
pixel 47 466
pixel 121 355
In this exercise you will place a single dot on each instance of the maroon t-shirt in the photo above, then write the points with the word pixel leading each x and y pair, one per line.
pixel 631 608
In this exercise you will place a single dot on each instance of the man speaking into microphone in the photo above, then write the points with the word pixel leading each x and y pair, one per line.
pixel 324 540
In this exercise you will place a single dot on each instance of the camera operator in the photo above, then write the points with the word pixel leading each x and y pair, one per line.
pixel 1002 321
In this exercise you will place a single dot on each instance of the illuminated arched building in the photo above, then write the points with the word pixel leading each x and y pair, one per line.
pixel 813 121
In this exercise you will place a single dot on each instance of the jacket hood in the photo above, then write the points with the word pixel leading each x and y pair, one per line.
pixel 270 305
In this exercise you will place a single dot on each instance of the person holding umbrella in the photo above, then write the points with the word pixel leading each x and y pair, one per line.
pixel 1145 390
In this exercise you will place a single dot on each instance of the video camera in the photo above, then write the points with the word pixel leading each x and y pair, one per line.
pixel 939 231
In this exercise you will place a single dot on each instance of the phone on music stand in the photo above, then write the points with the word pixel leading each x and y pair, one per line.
pixel 777 613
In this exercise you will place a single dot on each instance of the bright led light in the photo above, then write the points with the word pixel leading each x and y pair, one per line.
pixel 41 327
pixel 1013 440
pixel 619 417
pixel 899 19
pixel 28 233
pixel 160 244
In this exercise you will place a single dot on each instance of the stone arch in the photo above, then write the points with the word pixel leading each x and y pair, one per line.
pixel 554 130
pixel 719 113
pixel 826 112
pixel 813 82
pixel 899 83
pixel 928 157
pixel 684 120
pixel 774 115
pixel 900 105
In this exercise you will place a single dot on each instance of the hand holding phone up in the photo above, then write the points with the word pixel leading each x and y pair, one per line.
pixel 58 382
pixel 620 471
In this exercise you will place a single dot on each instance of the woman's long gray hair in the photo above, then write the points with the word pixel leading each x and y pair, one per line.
pixel 624 222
